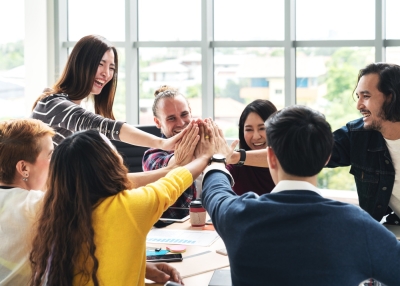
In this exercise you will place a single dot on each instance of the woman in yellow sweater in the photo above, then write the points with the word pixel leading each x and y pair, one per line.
pixel 93 227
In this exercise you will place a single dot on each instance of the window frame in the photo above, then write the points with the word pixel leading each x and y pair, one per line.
pixel 207 46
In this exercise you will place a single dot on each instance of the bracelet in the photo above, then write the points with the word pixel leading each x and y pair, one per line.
pixel 242 157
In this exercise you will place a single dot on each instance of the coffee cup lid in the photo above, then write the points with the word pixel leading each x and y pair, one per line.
pixel 195 203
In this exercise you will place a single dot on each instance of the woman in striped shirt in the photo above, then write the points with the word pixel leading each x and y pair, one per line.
pixel 91 69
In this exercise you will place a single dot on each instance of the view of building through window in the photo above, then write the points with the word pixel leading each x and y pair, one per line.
pixel 325 76
pixel 12 71
pixel 176 67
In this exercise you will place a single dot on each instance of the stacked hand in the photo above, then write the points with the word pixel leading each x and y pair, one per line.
pixel 202 138
pixel 205 146
pixel 211 136
pixel 184 149
pixel 220 145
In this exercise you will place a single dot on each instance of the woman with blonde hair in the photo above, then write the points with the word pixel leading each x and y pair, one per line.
pixel 25 151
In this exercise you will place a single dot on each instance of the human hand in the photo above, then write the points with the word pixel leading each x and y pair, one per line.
pixel 169 144
pixel 205 146
pixel 161 272
pixel 220 145
pixel 184 149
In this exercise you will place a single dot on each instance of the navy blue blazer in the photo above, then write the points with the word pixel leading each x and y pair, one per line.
pixel 298 237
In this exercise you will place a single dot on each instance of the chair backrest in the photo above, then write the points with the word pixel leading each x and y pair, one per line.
pixel 133 154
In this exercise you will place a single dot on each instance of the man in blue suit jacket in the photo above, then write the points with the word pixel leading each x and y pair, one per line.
pixel 294 236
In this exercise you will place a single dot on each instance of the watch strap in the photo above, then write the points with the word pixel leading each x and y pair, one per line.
pixel 217 167
pixel 217 160
pixel 242 157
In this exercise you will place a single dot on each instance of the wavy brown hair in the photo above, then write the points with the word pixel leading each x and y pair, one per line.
pixel 84 169
pixel 80 70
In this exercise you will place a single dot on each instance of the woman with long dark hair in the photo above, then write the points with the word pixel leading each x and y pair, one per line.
pixel 93 226
pixel 91 70
pixel 252 136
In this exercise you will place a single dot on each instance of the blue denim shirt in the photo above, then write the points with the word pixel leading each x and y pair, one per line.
pixel 366 152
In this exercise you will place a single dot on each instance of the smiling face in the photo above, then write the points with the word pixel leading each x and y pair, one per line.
pixel 254 132
pixel 370 101
pixel 173 115
pixel 39 170
pixel 105 72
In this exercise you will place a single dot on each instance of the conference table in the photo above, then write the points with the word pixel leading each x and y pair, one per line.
pixel 198 257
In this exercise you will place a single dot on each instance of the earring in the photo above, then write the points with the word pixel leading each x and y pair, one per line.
pixel 25 179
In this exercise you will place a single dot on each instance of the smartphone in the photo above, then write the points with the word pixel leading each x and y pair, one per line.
pixel 164 258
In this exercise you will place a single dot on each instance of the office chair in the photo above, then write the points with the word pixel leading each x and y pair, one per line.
pixel 133 154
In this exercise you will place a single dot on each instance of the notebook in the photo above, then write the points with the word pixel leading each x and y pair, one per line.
pixel 221 277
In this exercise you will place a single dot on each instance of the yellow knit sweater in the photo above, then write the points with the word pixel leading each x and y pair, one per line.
pixel 121 224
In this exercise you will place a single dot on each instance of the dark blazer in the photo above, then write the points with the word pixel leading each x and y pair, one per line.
pixel 297 237
pixel 371 165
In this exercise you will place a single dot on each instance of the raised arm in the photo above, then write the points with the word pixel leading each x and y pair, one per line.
pixel 61 113
pixel 203 152
pixel 255 158
pixel 135 136
pixel 183 154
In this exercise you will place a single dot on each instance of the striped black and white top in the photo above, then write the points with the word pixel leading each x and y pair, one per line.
pixel 66 117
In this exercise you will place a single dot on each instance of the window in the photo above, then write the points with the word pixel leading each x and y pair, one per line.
pixel 223 54
pixel 302 82
pixel 259 82
pixel 172 20
pixel 104 19
pixel 12 70
pixel 334 20
pixel 251 20
pixel 241 76
pixel 177 67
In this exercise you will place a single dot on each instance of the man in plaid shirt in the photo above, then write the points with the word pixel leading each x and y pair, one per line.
pixel 171 114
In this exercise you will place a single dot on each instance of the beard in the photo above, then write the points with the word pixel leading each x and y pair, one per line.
pixel 376 124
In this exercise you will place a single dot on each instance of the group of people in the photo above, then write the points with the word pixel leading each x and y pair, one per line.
pixel 71 214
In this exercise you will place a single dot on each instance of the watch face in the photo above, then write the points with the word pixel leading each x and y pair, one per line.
pixel 218 157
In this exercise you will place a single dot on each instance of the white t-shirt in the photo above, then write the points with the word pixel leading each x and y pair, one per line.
pixel 18 212
pixel 394 150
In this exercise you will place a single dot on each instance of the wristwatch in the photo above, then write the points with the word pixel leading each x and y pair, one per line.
pixel 242 157
pixel 219 158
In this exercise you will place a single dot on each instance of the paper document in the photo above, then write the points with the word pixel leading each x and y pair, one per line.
pixel 201 264
pixel 395 229
pixel 185 237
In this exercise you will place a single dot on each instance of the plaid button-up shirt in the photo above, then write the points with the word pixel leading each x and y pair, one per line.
pixel 154 159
